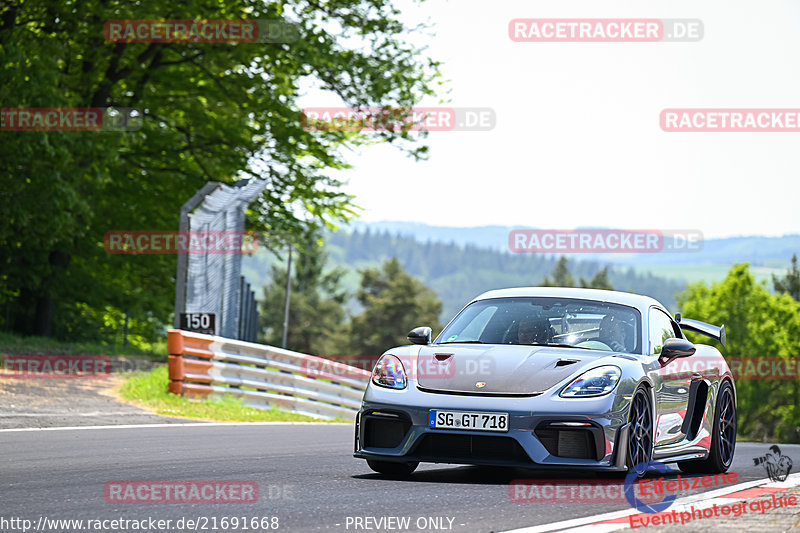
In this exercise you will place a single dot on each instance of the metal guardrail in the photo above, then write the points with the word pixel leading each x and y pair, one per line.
pixel 201 366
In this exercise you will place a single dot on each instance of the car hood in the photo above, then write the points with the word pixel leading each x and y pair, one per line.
pixel 501 369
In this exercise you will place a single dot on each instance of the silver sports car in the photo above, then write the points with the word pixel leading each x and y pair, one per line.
pixel 546 377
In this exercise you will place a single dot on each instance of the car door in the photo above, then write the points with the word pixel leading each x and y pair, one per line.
pixel 672 389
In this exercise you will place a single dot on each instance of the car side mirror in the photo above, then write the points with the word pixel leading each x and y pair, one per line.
pixel 675 348
pixel 420 335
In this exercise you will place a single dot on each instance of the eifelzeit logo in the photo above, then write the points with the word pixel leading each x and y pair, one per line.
pixel 775 463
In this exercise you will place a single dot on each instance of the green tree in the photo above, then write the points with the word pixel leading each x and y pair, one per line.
pixel 599 281
pixel 789 283
pixel 316 310
pixel 561 275
pixel 394 303
pixel 757 323
pixel 210 112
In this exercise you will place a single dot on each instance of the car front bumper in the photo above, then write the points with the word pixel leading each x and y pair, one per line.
pixel 545 431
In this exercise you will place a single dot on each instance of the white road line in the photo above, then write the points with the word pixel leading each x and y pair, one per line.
pixel 576 523
pixel 92 413
pixel 191 424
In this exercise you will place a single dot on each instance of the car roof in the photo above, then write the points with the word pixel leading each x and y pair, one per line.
pixel 623 298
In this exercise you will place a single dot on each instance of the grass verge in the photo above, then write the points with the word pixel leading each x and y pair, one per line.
pixel 149 390
pixel 12 344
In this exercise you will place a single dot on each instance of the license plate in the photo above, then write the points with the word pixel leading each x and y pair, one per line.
pixel 468 420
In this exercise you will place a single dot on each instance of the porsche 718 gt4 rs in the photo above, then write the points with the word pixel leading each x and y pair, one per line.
pixel 552 378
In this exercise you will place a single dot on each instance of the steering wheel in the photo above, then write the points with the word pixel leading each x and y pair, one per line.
pixel 594 345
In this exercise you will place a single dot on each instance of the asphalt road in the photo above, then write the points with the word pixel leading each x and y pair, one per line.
pixel 306 475
pixel 26 403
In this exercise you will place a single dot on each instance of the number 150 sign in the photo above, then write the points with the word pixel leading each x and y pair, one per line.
pixel 199 322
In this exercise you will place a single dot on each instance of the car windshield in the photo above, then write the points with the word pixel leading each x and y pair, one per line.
pixel 547 321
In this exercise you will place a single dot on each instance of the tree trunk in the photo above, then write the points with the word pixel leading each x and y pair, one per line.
pixel 45 302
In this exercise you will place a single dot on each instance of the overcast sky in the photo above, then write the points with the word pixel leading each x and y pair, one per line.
pixel 577 140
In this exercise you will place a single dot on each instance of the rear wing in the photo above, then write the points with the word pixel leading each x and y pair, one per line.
pixel 716 333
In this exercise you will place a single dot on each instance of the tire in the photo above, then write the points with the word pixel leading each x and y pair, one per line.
pixel 640 436
pixel 390 468
pixel 723 437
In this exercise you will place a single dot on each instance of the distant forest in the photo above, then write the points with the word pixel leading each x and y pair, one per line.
pixel 458 273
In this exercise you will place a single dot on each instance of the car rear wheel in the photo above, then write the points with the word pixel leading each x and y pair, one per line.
pixel 723 437
pixel 390 468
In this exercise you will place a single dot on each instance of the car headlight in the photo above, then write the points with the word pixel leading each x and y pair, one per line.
pixel 389 372
pixel 595 382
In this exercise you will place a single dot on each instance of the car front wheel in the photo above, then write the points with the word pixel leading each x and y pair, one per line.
pixel 640 434
pixel 639 445
pixel 390 468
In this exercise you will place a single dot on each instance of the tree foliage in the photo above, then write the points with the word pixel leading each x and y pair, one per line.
pixel 561 276
pixel 211 112
pixel 790 282
pixel 757 324
pixel 599 281
pixel 316 310
pixel 394 303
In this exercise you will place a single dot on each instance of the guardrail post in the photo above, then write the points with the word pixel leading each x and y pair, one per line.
pixel 175 366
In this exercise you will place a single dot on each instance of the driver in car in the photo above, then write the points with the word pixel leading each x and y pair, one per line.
pixel 534 330
pixel 612 333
